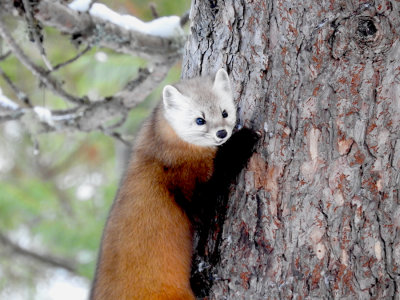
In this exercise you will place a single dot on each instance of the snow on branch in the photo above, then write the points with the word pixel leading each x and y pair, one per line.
pixel 158 40
pixel 44 115
pixel 9 110
pixel 167 27
pixel 6 103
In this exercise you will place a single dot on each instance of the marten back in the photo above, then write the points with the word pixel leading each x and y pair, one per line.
pixel 147 242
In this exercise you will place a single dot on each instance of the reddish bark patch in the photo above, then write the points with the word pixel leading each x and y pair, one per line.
pixel 316 275
pixel 293 30
pixel 245 276
pixel 357 159
pixel 344 276
pixel 259 167
pixel 371 128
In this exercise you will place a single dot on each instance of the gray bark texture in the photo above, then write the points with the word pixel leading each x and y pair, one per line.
pixel 316 214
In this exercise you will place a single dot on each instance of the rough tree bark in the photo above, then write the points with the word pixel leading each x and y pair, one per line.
pixel 316 214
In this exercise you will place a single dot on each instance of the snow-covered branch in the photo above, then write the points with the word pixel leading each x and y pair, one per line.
pixel 9 110
pixel 159 41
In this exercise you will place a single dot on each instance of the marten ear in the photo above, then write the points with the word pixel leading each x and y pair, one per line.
pixel 222 82
pixel 171 97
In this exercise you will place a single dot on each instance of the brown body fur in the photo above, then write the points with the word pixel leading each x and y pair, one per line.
pixel 147 243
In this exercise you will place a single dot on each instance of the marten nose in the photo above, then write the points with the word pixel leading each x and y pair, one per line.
pixel 221 133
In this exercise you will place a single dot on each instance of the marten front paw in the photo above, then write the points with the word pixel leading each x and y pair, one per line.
pixel 234 154
pixel 246 136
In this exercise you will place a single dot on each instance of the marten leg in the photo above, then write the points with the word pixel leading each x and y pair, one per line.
pixel 231 158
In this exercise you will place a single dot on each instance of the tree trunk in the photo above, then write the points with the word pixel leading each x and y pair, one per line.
pixel 316 214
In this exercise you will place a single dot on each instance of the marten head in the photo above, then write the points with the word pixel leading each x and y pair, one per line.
pixel 201 111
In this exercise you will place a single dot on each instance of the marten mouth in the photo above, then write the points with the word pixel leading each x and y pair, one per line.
pixel 220 142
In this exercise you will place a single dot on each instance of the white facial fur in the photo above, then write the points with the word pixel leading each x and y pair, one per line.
pixel 205 99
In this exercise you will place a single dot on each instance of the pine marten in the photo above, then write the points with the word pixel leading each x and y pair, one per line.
pixel 147 242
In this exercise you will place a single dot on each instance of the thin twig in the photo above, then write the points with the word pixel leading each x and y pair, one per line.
pixel 46 259
pixel 117 136
pixel 138 89
pixel 5 56
pixel 61 65
pixel 15 115
pixel 119 123
pixel 68 111
pixel 31 24
pixel 185 18
pixel 153 9
pixel 50 82
pixel 91 4
pixel 20 94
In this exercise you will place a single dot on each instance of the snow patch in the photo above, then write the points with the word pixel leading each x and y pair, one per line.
pixel 7 103
pixel 65 117
pixel 44 115
pixel 163 27
pixel 80 5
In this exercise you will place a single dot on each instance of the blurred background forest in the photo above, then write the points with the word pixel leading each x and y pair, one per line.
pixel 56 188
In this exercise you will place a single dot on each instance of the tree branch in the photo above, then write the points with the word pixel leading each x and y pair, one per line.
pixel 95 115
pixel 20 94
pixel 50 82
pixel 138 89
pixel 61 65
pixel 4 56
pixel 45 259
pixel 163 52
pixel 34 30
pixel 12 116
pixel 96 31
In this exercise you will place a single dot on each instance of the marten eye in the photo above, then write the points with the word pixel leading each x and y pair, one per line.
pixel 200 121
pixel 224 114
